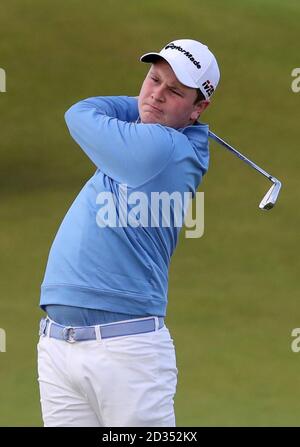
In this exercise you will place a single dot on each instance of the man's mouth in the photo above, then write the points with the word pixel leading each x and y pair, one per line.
pixel 154 108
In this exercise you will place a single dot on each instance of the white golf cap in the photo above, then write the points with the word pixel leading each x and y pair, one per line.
pixel 192 62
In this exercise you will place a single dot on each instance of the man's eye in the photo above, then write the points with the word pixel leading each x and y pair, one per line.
pixel 176 93
pixel 154 79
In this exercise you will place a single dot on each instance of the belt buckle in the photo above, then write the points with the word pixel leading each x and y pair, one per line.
pixel 69 334
pixel 43 325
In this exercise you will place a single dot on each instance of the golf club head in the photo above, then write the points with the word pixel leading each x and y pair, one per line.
pixel 270 198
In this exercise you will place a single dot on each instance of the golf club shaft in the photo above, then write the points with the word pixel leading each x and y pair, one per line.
pixel 241 156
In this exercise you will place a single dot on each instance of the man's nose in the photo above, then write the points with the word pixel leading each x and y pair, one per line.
pixel 159 93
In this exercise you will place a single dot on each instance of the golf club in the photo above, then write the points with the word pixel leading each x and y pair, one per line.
pixel 271 196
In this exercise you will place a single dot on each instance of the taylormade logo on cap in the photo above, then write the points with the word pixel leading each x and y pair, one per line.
pixel 189 55
pixel 192 62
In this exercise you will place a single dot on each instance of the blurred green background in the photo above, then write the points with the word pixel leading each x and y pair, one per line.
pixel 234 293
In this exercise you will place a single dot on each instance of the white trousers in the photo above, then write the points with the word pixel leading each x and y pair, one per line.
pixel 127 381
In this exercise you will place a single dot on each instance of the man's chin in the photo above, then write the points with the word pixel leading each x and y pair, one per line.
pixel 150 118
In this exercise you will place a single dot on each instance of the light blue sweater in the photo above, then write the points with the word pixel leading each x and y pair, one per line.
pixel 122 269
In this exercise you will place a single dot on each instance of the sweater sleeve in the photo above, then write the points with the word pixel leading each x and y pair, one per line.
pixel 126 151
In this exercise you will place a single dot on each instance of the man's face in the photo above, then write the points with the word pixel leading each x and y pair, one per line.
pixel 164 100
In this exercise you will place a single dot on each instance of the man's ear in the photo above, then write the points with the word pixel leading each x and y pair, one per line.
pixel 194 116
pixel 199 108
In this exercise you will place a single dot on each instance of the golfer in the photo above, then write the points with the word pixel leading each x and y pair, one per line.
pixel 105 355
